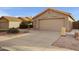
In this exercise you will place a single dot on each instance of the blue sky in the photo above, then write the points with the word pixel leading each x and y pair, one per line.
pixel 32 11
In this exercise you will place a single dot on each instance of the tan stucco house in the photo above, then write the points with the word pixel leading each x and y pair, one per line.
pixel 7 22
pixel 54 20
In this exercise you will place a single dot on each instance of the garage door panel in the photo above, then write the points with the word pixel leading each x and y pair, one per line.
pixel 3 25
pixel 54 25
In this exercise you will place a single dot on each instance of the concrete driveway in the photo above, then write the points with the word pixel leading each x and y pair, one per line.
pixel 40 39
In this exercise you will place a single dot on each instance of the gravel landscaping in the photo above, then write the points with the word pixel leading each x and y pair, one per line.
pixel 68 42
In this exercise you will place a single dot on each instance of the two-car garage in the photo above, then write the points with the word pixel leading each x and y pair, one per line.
pixel 51 24
pixel 53 20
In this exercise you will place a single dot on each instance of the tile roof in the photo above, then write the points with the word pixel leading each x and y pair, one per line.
pixel 10 18
pixel 58 11
pixel 25 18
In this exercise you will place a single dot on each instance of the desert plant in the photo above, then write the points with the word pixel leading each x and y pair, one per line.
pixel 13 30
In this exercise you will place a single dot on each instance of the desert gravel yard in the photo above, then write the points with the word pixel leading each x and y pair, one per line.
pixel 68 42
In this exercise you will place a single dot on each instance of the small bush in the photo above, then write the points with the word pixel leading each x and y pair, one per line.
pixel 24 25
pixel 13 30
pixel 30 24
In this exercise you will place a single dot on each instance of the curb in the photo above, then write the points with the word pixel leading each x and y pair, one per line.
pixel 17 36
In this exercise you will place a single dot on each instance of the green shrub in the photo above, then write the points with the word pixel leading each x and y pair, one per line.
pixel 13 30
pixel 30 24
pixel 25 25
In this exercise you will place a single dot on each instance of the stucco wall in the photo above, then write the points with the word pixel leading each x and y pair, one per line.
pixel 69 21
pixel 14 24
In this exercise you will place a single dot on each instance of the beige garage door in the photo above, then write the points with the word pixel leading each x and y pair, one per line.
pixel 3 25
pixel 50 24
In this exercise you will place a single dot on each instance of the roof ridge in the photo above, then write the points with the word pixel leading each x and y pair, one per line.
pixel 58 10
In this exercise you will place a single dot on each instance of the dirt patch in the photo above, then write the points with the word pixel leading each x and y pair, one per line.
pixel 68 42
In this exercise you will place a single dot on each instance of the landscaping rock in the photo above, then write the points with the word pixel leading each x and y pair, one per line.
pixel 68 42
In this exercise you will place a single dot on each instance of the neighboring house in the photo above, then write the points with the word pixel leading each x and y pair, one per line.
pixel 7 22
pixel 25 19
pixel 54 20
